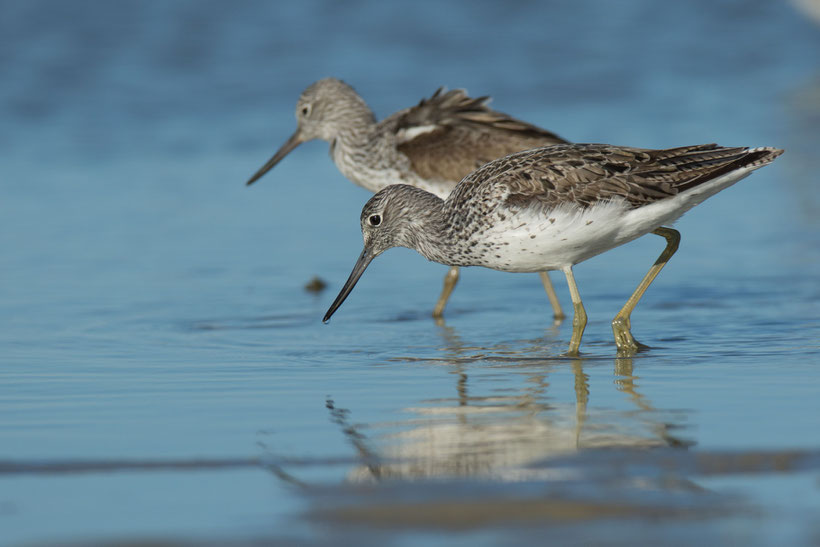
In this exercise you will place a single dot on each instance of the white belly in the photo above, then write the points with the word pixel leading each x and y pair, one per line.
pixel 532 240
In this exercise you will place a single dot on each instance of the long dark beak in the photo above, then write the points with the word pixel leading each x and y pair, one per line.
pixel 294 141
pixel 358 270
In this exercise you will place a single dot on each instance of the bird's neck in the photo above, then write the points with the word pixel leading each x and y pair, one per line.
pixel 355 131
pixel 353 122
pixel 362 156
pixel 428 227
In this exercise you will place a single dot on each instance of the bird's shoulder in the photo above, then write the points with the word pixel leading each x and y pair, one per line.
pixel 450 134
pixel 584 174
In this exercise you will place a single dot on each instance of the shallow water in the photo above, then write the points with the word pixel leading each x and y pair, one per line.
pixel 166 377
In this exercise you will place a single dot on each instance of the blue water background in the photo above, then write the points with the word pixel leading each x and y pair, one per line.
pixel 152 306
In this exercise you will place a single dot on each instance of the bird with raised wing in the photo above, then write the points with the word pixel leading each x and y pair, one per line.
pixel 431 146
pixel 553 207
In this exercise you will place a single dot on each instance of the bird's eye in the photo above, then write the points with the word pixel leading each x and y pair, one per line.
pixel 375 220
pixel 305 110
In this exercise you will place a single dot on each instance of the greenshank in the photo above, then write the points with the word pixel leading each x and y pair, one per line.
pixel 553 207
pixel 431 146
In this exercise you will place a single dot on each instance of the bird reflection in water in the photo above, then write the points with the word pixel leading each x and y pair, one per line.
pixel 496 436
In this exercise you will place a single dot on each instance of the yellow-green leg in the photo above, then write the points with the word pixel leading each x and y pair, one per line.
pixel 621 325
pixel 581 399
pixel 579 317
pixel 557 312
pixel 626 382
pixel 450 281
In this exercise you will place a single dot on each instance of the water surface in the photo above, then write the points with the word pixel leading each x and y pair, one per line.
pixel 165 376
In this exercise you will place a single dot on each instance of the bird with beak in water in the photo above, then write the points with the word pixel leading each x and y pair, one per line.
pixel 553 207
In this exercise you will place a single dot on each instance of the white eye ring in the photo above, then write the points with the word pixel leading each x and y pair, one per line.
pixel 374 220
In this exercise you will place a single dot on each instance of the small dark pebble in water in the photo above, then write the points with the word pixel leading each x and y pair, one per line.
pixel 315 285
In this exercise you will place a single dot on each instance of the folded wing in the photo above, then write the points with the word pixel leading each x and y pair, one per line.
pixel 449 135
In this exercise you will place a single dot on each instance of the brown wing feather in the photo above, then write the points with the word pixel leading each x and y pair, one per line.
pixel 464 133
pixel 588 173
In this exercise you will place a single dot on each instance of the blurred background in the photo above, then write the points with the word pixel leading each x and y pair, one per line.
pixel 152 306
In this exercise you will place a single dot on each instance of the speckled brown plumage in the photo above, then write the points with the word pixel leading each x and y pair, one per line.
pixel 431 145
pixel 553 207
pixel 464 135
pixel 584 174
